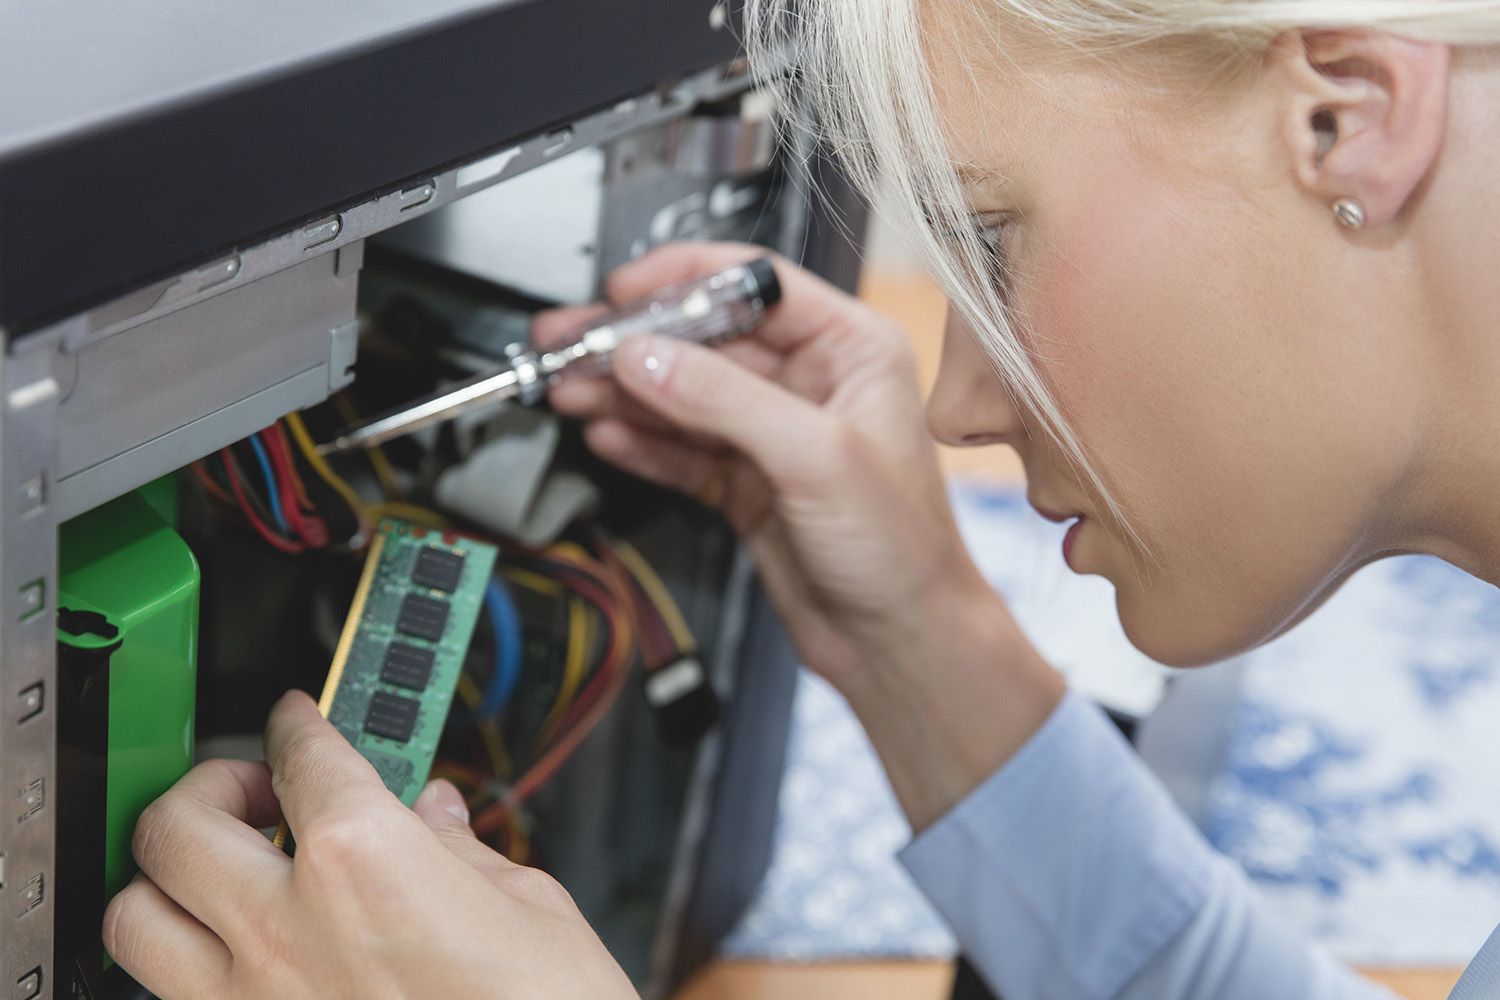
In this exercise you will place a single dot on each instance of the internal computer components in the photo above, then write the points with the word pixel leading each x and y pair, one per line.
pixel 216 253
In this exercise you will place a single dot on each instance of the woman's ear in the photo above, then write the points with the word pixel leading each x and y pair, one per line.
pixel 1366 114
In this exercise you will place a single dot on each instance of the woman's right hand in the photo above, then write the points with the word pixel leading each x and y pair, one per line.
pixel 810 433
pixel 813 434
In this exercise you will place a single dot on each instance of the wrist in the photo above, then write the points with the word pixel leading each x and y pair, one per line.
pixel 949 701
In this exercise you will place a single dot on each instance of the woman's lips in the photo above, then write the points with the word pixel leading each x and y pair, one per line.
pixel 1071 537
pixel 1068 540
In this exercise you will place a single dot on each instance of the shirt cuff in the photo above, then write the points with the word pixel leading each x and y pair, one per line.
pixel 1069 868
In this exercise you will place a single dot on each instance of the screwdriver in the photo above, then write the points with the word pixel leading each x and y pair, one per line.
pixel 707 310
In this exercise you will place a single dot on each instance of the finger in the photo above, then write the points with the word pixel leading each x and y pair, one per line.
pixel 677 466
pixel 199 845
pixel 554 326
pixel 809 305
pixel 607 401
pixel 793 441
pixel 241 788
pixel 594 398
pixel 442 808
pixel 654 457
pixel 315 772
pixel 163 946
pixel 587 397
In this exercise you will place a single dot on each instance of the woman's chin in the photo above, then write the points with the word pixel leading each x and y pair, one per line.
pixel 1175 636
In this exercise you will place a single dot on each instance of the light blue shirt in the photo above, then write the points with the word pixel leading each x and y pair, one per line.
pixel 1071 875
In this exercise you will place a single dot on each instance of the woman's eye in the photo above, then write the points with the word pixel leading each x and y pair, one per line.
pixel 991 234
pixel 991 231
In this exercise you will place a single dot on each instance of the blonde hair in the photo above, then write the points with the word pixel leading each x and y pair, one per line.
pixel 862 84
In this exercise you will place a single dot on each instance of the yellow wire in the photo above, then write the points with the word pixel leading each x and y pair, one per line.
pixel 367 513
pixel 324 470
pixel 407 512
pixel 658 592
pixel 533 581
pixel 489 729
pixel 520 840
pixel 570 552
pixel 459 779
pixel 382 465
pixel 573 667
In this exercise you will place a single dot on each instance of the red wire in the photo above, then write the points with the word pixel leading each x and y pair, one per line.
pixel 597 686
pixel 649 624
pixel 283 486
pixel 279 433
pixel 271 537
pixel 312 530
pixel 593 703
pixel 617 651
pixel 540 773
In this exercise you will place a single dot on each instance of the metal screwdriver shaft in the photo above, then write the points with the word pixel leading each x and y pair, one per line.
pixel 708 310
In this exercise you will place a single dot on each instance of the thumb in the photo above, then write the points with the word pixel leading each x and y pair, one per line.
pixel 441 805
pixel 704 392
pixel 442 808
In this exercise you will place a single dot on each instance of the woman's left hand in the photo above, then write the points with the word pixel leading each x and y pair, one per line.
pixel 381 901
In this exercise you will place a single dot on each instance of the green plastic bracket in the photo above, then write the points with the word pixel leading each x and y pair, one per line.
pixel 124 563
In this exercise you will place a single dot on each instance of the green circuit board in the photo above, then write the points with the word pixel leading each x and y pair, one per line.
pixel 403 647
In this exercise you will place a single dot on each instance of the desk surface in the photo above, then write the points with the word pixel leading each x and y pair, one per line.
pixel 924 981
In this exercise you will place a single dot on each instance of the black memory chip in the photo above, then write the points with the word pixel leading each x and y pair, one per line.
pixel 407 666
pixel 423 617
pixel 392 716
pixel 439 569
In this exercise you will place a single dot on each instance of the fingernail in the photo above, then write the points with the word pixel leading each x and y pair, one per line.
pixel 447 798
pixel 654 356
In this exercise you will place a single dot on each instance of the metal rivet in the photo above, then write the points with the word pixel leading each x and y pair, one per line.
pixel 323 232
pixel 33 599
pixel 414 196
pixel 32 702
pixel 33 492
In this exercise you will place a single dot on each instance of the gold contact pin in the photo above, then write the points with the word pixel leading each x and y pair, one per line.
pixel 345 646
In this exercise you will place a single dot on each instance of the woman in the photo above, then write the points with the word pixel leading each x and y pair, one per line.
pixel 1232 260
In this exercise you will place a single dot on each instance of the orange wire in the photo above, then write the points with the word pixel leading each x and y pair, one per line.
pixel 584 716
pixel 213 488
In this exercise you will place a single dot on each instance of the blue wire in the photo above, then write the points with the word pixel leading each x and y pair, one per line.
pixel 505 619
pixel 265 467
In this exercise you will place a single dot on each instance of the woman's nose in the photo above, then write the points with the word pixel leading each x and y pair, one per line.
pixel 969 405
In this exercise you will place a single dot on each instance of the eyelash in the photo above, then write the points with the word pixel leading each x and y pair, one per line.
pixel 991 235
pixel 990 231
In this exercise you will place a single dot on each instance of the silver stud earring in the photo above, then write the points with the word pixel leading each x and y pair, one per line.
pixel 1349 212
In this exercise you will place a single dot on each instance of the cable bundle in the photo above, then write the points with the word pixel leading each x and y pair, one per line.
pixel 616 612
pixel 283 513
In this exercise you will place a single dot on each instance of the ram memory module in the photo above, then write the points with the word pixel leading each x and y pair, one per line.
pixel 403 646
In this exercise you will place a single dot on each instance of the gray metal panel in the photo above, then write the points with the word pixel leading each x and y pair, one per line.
pixel 106 63
pixel 28 637
pixel 152 398
pixel 556 207
pixel 144 138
